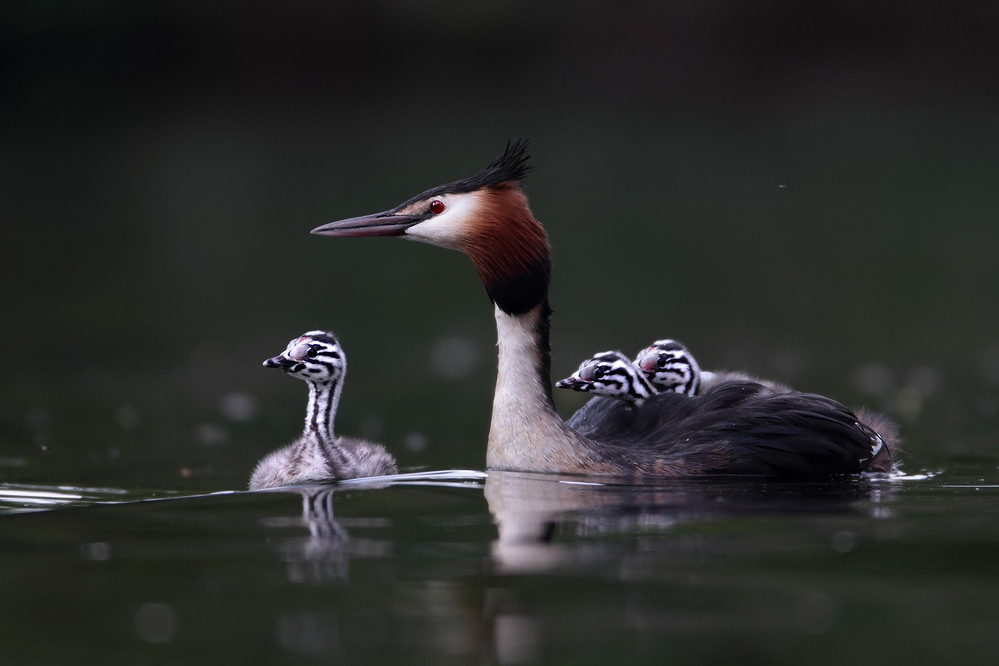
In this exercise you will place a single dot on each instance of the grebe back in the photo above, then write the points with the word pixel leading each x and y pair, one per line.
pixel 737 427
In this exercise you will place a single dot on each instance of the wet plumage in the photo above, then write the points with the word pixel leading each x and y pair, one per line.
pixel 736 426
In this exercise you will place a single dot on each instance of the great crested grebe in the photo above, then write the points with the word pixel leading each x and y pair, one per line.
pixel 665 365
pixel 318 455
pixel 610 374
pixel 734 427
pixel 670 366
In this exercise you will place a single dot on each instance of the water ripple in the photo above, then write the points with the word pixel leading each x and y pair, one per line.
pixel 18 498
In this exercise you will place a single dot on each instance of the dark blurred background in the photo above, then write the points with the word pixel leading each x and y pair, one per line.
pixel 798 191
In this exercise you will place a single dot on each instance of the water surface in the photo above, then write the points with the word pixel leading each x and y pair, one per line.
pixel 815 207
pixel 511 568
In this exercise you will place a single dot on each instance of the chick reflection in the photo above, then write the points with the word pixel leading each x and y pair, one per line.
pixel 529 509
pixel 323 555
pixel 318 455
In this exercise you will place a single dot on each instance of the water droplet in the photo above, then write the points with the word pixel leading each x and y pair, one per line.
pixel 155 623
pixel 238 406
pixel 211 434
pixel 99 551
pixel 874 379
pixel 844 541
pixel 454 357
pixel 415 442
pixel 909 403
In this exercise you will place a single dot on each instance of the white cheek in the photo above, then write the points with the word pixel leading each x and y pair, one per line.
pixel 450 228
pixel 435 231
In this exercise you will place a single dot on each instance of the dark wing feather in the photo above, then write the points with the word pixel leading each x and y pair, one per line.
pixel 735 427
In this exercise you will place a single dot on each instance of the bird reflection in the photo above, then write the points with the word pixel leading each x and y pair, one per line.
pixel 531 509
pixel 323 555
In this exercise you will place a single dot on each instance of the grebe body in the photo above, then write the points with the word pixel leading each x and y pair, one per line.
pixel 318 455
pixel 735 427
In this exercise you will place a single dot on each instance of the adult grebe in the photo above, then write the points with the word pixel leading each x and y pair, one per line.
pixel 318 455
pixel 734 427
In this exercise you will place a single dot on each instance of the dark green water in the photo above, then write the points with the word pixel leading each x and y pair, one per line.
pixel 516 569
pixel 801 192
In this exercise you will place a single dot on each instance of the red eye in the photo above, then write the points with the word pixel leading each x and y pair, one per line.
pixel 437 206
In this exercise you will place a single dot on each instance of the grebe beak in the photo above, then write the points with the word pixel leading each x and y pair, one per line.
pixel 571 383
pixel 377 224
pixel 281 361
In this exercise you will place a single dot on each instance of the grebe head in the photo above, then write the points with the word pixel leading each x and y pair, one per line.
pixel 487 217
pixel 610 374
pixel 670 367
pixel 315 356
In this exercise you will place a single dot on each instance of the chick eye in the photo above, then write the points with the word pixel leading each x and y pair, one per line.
pixel 598 373
pixel 437 206
pixel 661 363
pixel 313 351
pixel 298 352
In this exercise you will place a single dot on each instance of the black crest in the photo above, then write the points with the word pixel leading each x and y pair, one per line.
pixel 512 165
pixel 509 167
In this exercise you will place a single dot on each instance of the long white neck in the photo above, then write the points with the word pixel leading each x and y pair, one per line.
pixel 526 433
pixel 318 441
pixel 321 411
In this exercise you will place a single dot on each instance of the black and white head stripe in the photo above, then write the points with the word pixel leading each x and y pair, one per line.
pixel 315 356
pixel 610 374
pixel 670 367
